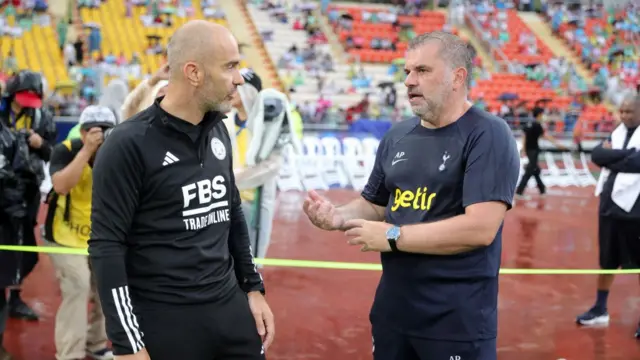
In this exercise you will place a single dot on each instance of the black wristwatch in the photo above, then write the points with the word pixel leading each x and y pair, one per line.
pixel 393 234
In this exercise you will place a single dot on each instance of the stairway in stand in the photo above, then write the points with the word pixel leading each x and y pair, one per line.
pixel 543 31
pixel 255 54
pixel 481 52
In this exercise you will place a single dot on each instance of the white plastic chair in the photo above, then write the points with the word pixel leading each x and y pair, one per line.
pixel 310 164
pixel 582 176
pixel 559 176
pixel 353 163
pixel 332 171
pixel 370 148
pixel 288 178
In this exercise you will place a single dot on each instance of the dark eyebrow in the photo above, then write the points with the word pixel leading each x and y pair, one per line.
pixel 419 68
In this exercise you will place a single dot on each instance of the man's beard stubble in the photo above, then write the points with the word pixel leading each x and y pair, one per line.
pixel 208 99
pixel 432 108
pixel 429 111
pixel 208 104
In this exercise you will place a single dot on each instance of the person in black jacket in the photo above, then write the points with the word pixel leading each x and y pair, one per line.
pixel 169 243
pixel 22 111
pixel 15 171
pixel 533 132
pixel 619 215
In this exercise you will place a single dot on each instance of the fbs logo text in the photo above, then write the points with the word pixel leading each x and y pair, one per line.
pixel 209 207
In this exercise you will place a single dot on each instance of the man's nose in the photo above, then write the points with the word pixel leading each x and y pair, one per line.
pixel 410 81
pixel 237 78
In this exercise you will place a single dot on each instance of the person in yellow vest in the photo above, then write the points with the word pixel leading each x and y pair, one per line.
pixel 68 224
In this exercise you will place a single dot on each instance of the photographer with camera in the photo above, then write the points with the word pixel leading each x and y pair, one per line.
pixel 21 111
pixel 68 224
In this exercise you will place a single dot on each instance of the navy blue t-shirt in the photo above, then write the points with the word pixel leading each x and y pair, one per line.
pixel 424 175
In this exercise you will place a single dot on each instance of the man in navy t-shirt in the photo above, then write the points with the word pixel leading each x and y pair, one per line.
pixel 434 207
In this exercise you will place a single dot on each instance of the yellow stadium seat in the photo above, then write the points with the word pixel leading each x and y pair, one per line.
pixel 38 49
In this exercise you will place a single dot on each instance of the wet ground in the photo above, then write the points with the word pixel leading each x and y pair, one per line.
pixel 323 314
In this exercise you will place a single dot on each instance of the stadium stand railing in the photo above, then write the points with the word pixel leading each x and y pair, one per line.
pixel 500 58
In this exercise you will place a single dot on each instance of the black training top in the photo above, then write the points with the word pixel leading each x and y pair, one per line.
pixel 167 225
pixel 533 131
pixel 425 175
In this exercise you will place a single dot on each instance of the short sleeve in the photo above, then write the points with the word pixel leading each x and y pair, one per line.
pixel 492 165
pixel 61 156
pixel 376 191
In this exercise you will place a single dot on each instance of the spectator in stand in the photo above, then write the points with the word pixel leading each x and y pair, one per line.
pixel 602 39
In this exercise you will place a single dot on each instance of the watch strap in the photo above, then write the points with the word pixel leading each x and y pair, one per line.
pixel 393 245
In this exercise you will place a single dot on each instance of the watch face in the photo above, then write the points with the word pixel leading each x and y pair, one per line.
pixel 393 233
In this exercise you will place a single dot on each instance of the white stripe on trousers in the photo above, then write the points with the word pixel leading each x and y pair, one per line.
pixel 128 320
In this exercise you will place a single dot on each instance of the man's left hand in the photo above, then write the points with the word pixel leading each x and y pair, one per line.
pixel 371 235
pixel 35 140
pixel 264 317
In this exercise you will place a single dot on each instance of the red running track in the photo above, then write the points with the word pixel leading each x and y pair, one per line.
pixel 323 314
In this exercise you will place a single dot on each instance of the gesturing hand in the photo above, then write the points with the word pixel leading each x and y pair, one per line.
pixel 264 318
pixel 370 235
pixel 322 212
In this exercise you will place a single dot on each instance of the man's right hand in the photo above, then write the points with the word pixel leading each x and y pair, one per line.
pixel 93 140
pixel 140 355
pixel 322 212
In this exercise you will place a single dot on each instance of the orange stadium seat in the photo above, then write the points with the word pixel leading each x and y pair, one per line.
pixel 512 49
pixel 426 22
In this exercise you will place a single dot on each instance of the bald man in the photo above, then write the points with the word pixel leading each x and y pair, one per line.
pixel 619 209
pixel 169 244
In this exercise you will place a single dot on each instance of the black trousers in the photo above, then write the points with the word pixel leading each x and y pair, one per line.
pixel 390 345
pixel 214 331
pixel 4 312
pixel 619 243
pixel 532 169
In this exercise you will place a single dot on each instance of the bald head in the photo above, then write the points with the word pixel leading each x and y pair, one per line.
pixel 196 41
pixel 204 64
pixel 631 99
pixel 630 110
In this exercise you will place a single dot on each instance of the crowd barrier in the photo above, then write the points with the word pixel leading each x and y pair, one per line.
pixel 345 162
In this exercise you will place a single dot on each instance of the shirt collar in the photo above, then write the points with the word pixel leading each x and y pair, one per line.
pixel 210 119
